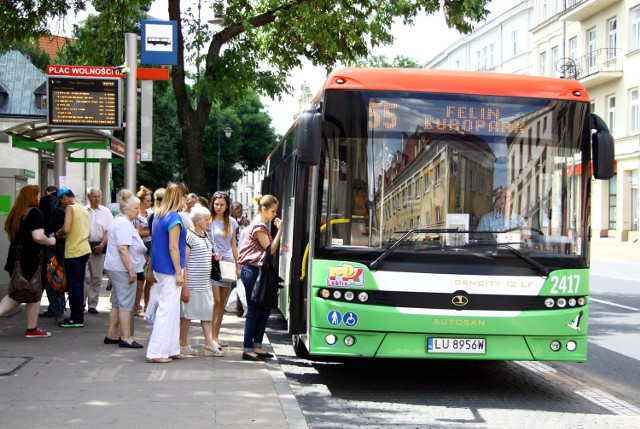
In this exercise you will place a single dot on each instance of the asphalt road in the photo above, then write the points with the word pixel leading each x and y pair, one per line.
pixel 603 392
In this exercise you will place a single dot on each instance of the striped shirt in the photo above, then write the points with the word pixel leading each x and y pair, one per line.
pixel 199 261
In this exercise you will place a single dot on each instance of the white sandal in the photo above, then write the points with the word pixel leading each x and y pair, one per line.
pixel 188 350
pixel 212 352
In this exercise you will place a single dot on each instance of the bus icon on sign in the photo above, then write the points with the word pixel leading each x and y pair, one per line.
pixel 345 275
pixel 165 41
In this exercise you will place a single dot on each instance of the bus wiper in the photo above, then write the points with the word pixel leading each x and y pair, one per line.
pixel 544 271
pixel 374 264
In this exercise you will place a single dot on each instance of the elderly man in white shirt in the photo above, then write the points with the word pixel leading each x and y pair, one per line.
pixel 100 221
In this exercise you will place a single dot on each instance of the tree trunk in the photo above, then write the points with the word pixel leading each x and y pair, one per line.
pixel 191 121
pixel 194 159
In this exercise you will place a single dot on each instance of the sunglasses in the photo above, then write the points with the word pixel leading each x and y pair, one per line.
pixel 220 195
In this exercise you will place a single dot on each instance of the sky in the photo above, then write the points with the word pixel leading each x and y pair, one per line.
pixel 409 42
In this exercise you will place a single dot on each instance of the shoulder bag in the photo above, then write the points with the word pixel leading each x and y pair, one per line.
pixel 21 289
pixel 268 284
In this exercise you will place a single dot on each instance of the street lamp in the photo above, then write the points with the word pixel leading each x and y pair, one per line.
pixel 227 132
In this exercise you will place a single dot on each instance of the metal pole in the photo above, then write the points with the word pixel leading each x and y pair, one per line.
pixel 218 185
pixel 131 111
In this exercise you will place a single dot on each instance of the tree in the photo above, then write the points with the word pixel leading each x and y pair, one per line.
pixel 37 56
pixel 399 61
pixel 258 44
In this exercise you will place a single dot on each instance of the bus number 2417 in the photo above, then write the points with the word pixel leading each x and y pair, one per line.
pixel 565 284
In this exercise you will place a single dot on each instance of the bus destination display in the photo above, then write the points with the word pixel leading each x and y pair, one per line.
pixel 84 102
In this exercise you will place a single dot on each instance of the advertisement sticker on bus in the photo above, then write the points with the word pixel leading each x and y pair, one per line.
pixel 345 275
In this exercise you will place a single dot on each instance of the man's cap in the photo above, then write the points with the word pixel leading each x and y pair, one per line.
pixel 65 191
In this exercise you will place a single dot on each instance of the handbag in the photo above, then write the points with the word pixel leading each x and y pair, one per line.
pixel 215 269
pixel 21 289
pixel 222 271
pixel 228 271
pixel 268 284
pixel 148 271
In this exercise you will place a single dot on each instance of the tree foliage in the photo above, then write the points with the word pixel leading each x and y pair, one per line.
pixel 37 56
pixel 257 45
pixel 399 61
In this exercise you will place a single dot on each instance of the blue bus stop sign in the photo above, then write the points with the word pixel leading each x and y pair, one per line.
pixel 159 42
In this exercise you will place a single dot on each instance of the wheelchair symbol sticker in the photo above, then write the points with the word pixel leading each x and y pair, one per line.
pixel 334 317
pixel 350 319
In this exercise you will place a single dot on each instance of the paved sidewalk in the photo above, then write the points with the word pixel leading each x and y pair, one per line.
pixel 612 250
pixel 74 380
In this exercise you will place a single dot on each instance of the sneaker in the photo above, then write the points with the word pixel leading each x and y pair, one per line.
pixel 70 323
pixel 93 311
pixel 38 333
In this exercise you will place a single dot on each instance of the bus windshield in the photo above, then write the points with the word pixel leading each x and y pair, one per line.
pixel 460 171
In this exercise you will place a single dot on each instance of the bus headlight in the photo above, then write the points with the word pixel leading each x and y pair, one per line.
pixel 581 301
pixel 555 345
pixel 337 294
pixel 349 295
pixel 572 302
pixel 349 341
pixel 331 339
pixel 549 302
pixel 363 297
pixel 562 302
pixel 325 293
pixel 572 345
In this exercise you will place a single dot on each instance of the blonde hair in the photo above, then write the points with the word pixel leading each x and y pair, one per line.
pixel 143 192
pixel 126 199
pixel 172 200
pixel 265 201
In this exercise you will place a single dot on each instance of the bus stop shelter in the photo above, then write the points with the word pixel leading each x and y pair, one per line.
pixel 66 143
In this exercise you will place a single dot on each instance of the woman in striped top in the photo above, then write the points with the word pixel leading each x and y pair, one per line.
pixel 197 296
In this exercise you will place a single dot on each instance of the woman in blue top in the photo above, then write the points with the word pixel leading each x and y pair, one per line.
pixel 223 232
pixel 168 249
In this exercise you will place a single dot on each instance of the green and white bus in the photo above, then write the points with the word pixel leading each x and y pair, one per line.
pixel 472 241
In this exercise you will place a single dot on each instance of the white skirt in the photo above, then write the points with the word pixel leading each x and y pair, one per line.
pixel 199 307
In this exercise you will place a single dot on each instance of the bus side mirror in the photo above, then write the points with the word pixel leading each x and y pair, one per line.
pixel 603 149
pixel 309 137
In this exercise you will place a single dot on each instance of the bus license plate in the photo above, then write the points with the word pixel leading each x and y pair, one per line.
pixel 457 345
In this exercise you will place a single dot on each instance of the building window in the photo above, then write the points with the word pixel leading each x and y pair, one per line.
pixel 634 111
pixel 437 175
pixel 612 25
pixel 543 64
pixel 543 10
pixel 554 61
pixel 611 113
pixel 591 49
pixel 613 195
pixel 514 43
pixel 635 28
pixel 573 48
pixel 426 183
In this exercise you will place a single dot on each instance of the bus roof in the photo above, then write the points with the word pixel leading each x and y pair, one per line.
pixel 456 82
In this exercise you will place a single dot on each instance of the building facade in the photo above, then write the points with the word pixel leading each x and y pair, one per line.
pixel 594 41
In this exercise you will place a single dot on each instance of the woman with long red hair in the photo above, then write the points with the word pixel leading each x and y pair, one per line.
pixel 30 234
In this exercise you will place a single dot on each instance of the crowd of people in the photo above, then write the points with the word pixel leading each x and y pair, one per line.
pixel 178 234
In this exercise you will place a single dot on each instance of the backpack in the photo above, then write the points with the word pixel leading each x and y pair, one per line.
pixel 56 276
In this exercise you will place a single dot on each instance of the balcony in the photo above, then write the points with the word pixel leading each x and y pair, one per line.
pixel 584 9
pixel 600 66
